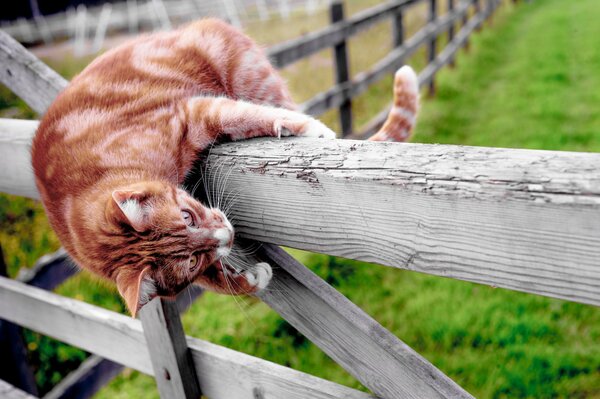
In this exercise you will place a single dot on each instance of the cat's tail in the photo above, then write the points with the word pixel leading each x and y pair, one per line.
pixel 402 117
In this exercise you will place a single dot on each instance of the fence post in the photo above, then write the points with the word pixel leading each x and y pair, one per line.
pixel 432 43
pixel 451 30
pixel 398 28
pixel 342 70
pixel 477 4
pixel 171 359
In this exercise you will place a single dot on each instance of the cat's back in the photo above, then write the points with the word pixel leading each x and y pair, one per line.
pixel 118 107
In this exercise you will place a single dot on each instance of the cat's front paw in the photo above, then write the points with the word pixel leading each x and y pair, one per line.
pixel 317 129
pixel 259 276
pixel 302 125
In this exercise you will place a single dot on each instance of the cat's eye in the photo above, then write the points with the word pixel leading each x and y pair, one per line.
pixel 188 218
pixel 193 261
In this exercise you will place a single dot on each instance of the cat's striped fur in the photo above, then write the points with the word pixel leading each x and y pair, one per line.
pixel 112 149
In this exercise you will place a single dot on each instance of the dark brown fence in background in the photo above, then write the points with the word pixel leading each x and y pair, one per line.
pixel 468 14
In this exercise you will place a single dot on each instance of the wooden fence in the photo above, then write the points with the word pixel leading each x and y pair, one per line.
pixel 133 16
pixel 519 219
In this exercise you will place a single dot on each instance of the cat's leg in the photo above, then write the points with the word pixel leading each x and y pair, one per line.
pixel 209 118
pixel 225 279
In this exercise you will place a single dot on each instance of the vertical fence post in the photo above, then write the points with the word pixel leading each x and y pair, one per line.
pixel 465 19
pixel 477 4
pixel 451 30
pixel 432 43
pixel 398 28
pixel 342 70
pixel 171 360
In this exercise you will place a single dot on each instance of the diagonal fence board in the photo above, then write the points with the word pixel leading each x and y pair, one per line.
pixel 27 76
pixel 222 373
pixel 377 358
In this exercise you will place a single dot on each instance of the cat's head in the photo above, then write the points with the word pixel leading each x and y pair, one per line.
pixel 167 238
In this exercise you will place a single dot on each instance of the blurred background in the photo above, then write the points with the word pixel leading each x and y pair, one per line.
pixel 530 79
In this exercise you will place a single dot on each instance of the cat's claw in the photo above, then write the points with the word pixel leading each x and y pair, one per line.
pixel 260 275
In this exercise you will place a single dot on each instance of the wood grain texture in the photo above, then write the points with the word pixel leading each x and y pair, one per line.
pixel 171 360
pixel 223 373
pixel 378 359
pixel 8 391
pixel 26 76
pixel 520 219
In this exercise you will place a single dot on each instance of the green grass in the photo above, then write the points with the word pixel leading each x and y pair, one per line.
pixel 531 80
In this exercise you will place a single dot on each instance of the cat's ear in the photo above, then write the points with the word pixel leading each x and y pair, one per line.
pixel 136 287
pixel 132 207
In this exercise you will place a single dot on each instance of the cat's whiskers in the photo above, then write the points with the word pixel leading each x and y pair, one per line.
pixel 231 290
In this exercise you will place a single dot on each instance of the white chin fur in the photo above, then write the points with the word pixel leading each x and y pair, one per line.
pixel 223 251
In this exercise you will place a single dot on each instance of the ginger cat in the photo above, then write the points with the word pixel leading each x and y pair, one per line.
pixel 112 149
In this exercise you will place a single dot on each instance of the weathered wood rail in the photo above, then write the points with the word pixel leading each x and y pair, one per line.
pixel 519 219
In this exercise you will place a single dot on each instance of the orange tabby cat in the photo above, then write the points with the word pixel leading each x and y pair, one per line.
pixel 110 152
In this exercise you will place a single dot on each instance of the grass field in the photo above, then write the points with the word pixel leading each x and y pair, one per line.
pixel 530 80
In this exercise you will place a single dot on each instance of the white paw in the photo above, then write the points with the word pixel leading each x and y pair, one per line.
pixel 260 275
pixel 317 129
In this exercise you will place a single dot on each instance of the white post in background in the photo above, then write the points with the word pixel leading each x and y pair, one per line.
pixel 311 6
pixel 43 28
pixel 263 11
pixel 241 8
pixel 25 30
pixel 80 31
pixel 132 16
pixel 284 9
pixel 231 12
pixel 162 14
pixel 103 22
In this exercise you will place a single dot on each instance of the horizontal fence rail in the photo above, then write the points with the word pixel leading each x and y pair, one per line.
pixel 520 219
pixel 222 373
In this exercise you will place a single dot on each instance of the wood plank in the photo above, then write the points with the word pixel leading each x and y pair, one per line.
pixel 342 68
pixel 49 271
pixel 26 76
pixel 431 50
pixel 520 219
pixel 293 50
pixel 7 391
pixel 84 382
pixel 171 360
pixel 339 93
pixel 378 359
pixel 223 373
